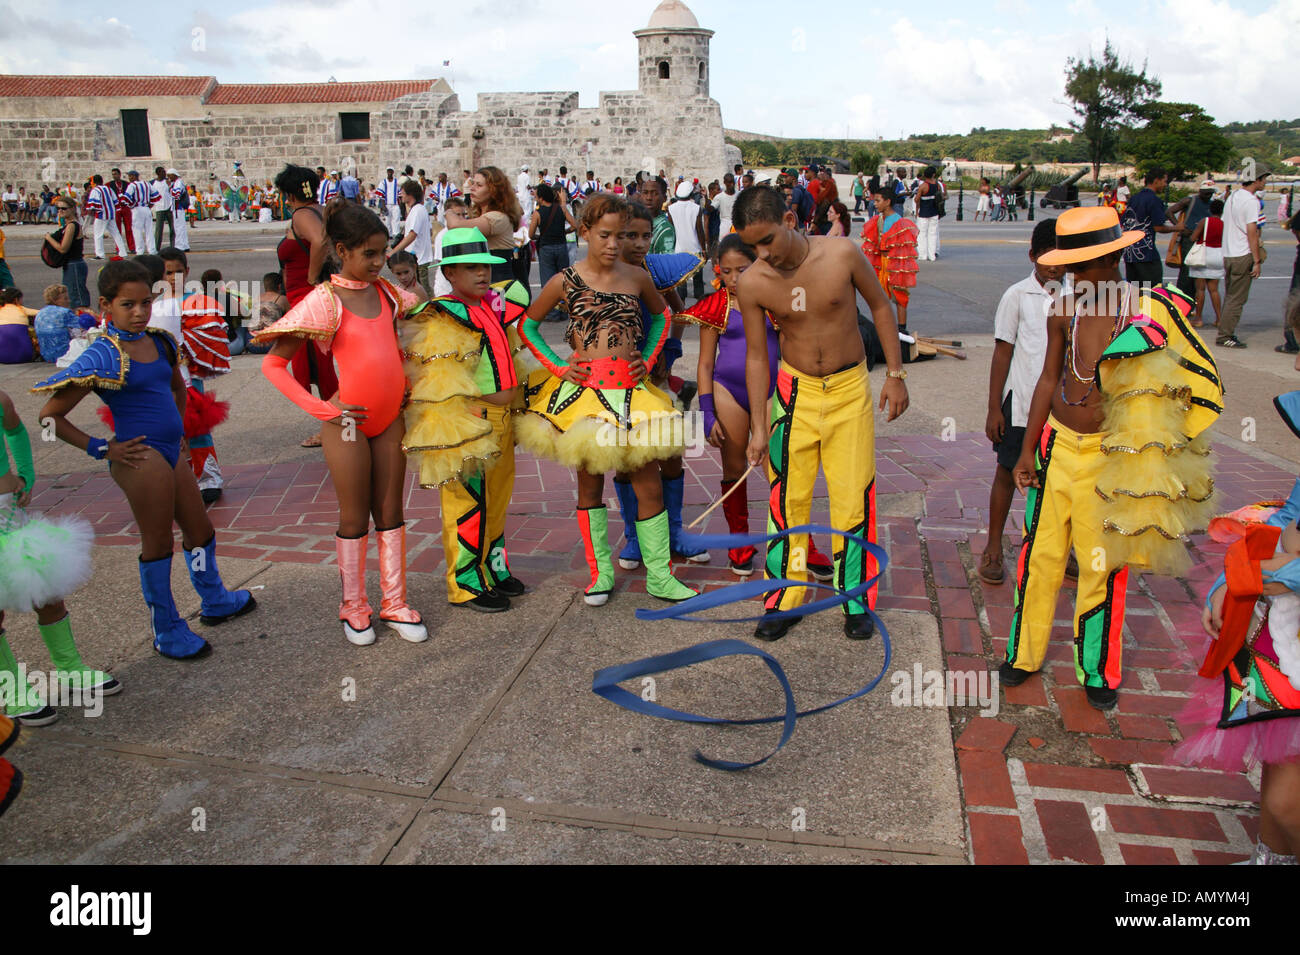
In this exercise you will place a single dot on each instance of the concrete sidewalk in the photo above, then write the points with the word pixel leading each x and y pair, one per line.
pixel 486 744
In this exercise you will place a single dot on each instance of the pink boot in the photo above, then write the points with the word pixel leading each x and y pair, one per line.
pixel 392 581
pixel 354 611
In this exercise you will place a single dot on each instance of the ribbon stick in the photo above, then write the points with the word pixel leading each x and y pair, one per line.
pixel 731 490
pixel 605 682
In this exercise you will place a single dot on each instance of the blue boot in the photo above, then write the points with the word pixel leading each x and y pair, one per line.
pixel 219 604
pixel 674 489
pixel 629 558
pixel 172 636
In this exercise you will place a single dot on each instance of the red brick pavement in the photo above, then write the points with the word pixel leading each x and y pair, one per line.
pixel 1049 779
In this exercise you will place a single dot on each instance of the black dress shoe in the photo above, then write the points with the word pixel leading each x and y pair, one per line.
pixel 217 621
pixel 1101 698
pixel 859 626
pixel 512 586
pixel 490 602
pixel 1010 676
pixel 210 495
pixel 774 629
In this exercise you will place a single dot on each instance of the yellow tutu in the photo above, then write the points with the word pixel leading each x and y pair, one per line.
pixel 1161 392
pixel 598 429
pixel 447 435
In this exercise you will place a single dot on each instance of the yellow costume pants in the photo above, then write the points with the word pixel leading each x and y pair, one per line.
pixel 829 422
pixel 474 517
pixel 1067 508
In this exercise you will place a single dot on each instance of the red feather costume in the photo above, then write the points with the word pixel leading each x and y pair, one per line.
pixel 892 255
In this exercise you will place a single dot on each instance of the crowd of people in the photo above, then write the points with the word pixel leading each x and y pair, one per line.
pixel 1101 395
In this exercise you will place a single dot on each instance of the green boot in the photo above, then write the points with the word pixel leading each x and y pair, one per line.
pixel 67 661
pixel 593 522
pixel 659 580
pixel 20 701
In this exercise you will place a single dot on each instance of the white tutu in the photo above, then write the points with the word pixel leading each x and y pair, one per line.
pixel 41 559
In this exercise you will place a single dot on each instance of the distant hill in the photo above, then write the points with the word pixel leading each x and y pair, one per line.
pixel 1266 140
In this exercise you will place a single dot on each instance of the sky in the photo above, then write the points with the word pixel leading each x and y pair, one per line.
pixel 854 68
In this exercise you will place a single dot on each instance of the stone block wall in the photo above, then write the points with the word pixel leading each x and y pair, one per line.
pixel 627 131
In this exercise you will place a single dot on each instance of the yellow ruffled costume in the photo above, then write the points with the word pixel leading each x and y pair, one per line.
pixel 1161 392
pixel 598 429
pixel 446 433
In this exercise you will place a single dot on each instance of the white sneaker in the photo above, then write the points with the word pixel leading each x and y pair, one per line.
pixel 411 632
pixel 595 600
pixel 359 638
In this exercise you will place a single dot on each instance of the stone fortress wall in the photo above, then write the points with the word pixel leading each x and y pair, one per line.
pixel 669 122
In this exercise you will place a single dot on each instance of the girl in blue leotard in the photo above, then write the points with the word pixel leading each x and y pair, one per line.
pixel 133 369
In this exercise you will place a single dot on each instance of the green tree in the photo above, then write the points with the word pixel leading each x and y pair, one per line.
pixel 1179 137
pixel 1106 92
pixel 864 160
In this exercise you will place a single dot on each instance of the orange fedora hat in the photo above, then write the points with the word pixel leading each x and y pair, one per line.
pixel 1087 233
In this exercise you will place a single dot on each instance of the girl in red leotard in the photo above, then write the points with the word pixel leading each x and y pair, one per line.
pixel 356 313
pixel 302 253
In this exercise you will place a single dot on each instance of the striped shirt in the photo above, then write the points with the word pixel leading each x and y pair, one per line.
pixel 389 189
pixel 442 191
pixel 136 195
pixel 328 190
pixel 101 202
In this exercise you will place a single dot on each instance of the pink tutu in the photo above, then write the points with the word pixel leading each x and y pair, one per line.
pixel 1241 747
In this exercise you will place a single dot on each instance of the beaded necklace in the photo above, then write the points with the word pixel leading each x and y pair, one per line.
pixel 1072 352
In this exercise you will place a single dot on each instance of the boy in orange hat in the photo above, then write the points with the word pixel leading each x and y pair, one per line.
pixel 1123 495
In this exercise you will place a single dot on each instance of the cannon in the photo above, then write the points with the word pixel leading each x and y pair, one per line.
pixel 1064 195
pixel 1015 189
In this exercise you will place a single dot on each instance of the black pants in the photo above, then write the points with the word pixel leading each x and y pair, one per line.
pixel 1146 273
pixel 1186 284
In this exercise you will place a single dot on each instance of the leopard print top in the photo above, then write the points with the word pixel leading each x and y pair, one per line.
pixel 608 320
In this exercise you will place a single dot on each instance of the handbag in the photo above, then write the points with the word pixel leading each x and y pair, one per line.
pixel 1197 257
pixel 52 256
pixel 1174 255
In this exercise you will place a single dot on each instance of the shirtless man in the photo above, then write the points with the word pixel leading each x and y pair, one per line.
pixel 821 409
pixel 1060 461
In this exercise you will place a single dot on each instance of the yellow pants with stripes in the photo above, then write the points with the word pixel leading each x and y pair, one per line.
pixel 826 422
pixel 474 518
pixel 1067 509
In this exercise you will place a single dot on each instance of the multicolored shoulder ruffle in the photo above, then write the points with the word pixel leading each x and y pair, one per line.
pixel 513 298
pixel 709 312
pixel 671 269
pixel 1161 391
pixel 102 365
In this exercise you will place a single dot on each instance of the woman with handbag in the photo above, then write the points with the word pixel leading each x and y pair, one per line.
pixel 1204 261
pixel 63 248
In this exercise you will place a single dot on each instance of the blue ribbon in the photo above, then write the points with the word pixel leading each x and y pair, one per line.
pixel 605 682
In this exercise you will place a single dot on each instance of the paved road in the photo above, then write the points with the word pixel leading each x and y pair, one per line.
pixel 957 295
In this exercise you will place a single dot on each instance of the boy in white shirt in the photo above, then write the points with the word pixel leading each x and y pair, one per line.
pixel 1020 333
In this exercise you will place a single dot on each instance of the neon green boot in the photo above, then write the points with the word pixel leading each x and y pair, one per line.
pixel 653 534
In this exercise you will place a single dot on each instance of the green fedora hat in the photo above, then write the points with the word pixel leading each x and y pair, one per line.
pixel 466 247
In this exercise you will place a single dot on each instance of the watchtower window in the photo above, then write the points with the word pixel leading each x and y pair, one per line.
pixel 663 69
pixel 701 71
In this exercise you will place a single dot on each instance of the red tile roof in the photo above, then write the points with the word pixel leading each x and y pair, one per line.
pixel 242 94
pixel 217 94
pixel 105 85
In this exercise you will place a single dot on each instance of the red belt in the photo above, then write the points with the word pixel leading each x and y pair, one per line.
pixel 608 373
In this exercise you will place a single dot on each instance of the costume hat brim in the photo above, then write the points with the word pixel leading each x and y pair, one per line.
pixel 1118 239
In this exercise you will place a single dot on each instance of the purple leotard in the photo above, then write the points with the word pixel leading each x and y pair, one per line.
pixel 729 368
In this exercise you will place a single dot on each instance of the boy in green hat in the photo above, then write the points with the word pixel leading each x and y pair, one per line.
pixel 459 423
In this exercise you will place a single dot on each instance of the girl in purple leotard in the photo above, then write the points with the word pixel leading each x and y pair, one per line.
pixel 724 400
